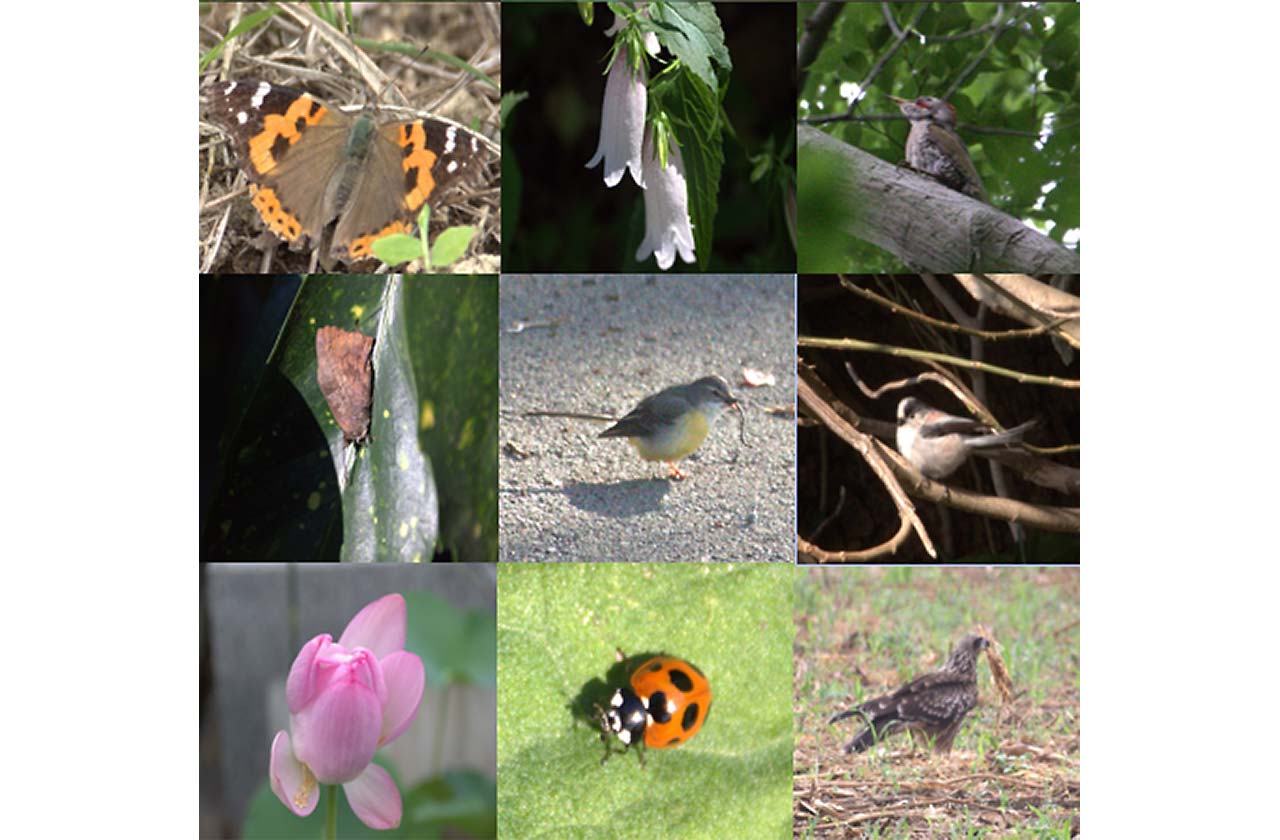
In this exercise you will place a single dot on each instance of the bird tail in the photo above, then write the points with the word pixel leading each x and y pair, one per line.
pixel 1004 438
pixel 878 726
pixel 845 714
pixel 861 742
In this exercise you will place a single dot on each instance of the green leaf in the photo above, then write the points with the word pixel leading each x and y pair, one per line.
pixel 248 22
pixel 510 100
pixel 460 800
pixel 450 245
pixel 456 646
pixel 389 506
pixel 559 628
pixel 278 496
pixel 824 212
pixel 397 249
pixel 454 340
pixel 696 120
pixel 1016 83
pixel 692 33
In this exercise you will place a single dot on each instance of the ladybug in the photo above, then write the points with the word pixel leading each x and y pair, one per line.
pixel 666 705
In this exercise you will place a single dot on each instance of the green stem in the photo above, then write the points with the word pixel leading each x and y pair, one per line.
pixel 330 812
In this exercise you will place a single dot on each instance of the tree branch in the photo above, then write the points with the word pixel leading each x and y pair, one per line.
pixel 816 29
pixel 925 224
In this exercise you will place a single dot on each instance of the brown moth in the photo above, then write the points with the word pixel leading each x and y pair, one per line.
pixel 344 371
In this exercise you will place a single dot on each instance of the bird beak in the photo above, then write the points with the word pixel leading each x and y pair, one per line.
pixel 898 101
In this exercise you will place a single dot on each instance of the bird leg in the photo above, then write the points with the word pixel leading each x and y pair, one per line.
pixel 675 471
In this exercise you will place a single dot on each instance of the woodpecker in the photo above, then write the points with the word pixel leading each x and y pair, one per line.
pixel 934 148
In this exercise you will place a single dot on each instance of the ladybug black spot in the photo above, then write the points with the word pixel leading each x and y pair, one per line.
pixel 658 707
pixel 690 718
pixel 680 680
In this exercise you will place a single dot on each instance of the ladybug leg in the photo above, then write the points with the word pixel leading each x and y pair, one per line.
pixel 605 731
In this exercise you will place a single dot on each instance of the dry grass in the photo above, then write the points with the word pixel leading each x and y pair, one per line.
pixel 296 49
pixel 1014 769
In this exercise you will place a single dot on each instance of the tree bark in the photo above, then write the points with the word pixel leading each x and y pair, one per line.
pixel 925 224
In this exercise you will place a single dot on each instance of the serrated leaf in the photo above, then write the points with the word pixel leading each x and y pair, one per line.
pixel 698 129
pixel 692 33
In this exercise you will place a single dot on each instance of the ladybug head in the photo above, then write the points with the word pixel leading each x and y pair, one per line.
pixel 626 717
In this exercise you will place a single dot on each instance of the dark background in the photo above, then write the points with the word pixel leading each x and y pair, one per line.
pixel 560 216
pixel 869 517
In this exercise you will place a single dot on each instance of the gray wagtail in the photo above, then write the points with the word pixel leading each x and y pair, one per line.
pixel 674 422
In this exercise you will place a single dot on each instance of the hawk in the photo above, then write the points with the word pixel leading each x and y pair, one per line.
pixel 931 706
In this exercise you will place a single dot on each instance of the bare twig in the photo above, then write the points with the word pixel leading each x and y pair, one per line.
pixel 989 335
pixel 910 353
pixel 867 446
pixel 816 29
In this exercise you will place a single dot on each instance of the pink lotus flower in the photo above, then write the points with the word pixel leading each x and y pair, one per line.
pixel 667 227
pixel 346 700
pixel 622 121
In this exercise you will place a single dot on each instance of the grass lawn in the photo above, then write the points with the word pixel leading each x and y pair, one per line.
pixel 1014 770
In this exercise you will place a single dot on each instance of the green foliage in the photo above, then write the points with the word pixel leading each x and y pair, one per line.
pixel 456 646
pixel 451 243
pixel 510 100
pixel 559 629
pixel 691 31
pixel 388 494
pixel 459 800
pixel 691 96
pixel 822 184
pixel 1028 82
pixel 250 21
pixel 435 385
pixel 556 214
pixel 439 807
pixel 696 115
pixel 454 342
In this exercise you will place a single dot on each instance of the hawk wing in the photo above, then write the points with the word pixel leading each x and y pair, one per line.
pixel 932 706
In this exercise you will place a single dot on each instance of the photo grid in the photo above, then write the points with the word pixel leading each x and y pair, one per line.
pixel 639 419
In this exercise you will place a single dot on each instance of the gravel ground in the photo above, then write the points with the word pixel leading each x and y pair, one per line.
pixel 565 494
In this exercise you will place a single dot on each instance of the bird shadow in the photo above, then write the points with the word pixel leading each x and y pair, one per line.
pixel 619 500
